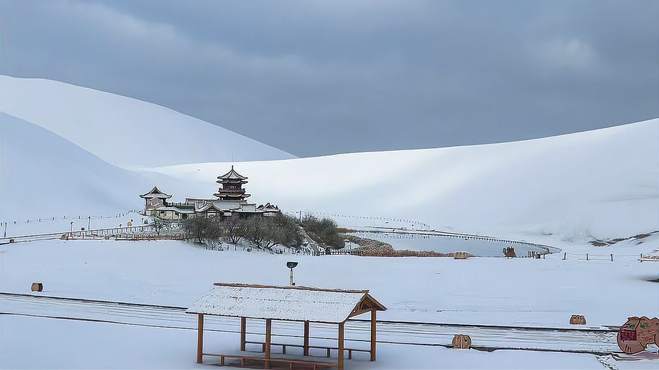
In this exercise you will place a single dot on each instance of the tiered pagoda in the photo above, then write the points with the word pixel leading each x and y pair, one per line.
pixel 231 188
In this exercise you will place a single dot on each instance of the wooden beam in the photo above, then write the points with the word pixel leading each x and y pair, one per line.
pixel 200 337
pixel 341 346
pixel 306 338
pixel 373 333
pixel 243 333
pixel 268 342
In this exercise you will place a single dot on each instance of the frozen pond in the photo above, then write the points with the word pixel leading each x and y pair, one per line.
pixel 452 243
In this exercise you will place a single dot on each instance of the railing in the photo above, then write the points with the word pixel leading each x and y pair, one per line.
pixel 114 232
pixel 66 217
pixel 393 233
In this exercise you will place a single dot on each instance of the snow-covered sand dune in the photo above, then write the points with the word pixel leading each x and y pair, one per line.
pixel 602 183
pixel 122 130
pixel 43 175
pixel 570 188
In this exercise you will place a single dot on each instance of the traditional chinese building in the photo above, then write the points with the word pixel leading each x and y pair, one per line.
pixel 154 199
pixel 230 201
pixel 231 186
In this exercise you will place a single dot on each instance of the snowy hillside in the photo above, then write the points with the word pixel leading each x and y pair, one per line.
pixel 125 131
pixel 43 175
pixel 602 183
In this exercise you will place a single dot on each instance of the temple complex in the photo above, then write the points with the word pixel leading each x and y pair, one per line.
pixel 230 201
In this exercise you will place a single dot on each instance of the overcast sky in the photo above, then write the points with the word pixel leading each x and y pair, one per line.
pixel 318 77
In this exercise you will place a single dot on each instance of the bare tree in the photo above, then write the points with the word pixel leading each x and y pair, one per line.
pixel 266 232
pixel 160 225
pixel 202 228
pixel 259 232
pixel 233 229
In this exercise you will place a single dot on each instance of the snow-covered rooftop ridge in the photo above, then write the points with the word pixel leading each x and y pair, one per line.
pixel 231 175
pixel 155 193
pixel 283 302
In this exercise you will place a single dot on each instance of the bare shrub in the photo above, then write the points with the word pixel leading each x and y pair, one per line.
pixel 323 231
pixel 202 228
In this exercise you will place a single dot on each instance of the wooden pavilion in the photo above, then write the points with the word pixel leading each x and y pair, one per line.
pixel 286 303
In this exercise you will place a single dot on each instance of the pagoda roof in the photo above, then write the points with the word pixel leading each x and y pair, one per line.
pixel 155 193
pixel 232 175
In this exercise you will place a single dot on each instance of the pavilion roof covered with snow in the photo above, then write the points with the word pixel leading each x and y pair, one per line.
pixel 155 193
pixel 286 303
pixel 290 303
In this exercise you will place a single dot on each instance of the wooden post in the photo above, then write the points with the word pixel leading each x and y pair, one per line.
pixel 243 333
pixel 306 338
pixel 200 337
pixel 373 334
pixel 268 341
pixel 341 347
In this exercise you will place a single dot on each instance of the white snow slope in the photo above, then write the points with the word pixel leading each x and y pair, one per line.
pixel 43 175
pixel 602 183
pixel 124 131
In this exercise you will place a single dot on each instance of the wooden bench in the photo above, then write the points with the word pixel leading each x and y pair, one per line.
pixel 328 349
pixel 291 362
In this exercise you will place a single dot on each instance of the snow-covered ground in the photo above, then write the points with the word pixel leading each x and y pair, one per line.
pixel 519 292
pixel 125 131
pixel 522 292
pixel 108 346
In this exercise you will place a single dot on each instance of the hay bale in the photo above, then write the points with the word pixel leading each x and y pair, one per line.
pixel 461 341
pixel 37 287
pixel 461 255
pixel 577 320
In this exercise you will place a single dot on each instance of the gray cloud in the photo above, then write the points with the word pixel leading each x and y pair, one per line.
pixel 318 77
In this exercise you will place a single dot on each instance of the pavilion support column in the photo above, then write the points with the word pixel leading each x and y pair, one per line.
pixel 268 341
pixel 200 337
pixel 306 338
pixel 373 334
pixel 243 333
pixel 341 346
